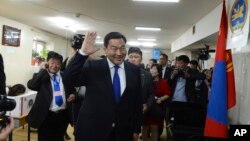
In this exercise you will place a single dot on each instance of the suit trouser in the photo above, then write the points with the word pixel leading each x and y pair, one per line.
pixel 54 126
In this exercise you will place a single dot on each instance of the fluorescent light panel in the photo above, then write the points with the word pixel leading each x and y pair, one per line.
pixel 148 28
pixel 143 44
pixel 176 1
pixel 99 42
pixel 146 39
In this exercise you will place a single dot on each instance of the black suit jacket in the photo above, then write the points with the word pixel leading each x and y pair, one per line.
pixel 2 77
pixel 99 110
pixel 41 83
pixel 190 83
pixel 167 73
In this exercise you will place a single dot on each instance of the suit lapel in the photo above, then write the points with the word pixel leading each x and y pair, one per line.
pixel 128 75
pixel 142 77
pixel 109 94
pixel 49 87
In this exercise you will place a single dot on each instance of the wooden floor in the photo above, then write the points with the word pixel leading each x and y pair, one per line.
pixel 21 134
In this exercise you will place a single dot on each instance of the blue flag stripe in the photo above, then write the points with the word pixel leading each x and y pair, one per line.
pixel 217 107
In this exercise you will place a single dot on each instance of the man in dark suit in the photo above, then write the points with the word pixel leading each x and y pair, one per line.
pixel 50 112
pixel 2 77
pixel 112 108
pixel 166 70
pixel 135 57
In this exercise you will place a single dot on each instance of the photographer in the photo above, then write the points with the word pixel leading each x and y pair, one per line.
pixel 183 79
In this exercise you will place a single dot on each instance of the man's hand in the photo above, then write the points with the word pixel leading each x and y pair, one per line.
pixel 71 98
pixel 44 65
pixel 4 133
pixel 135 136
pixel 88 43
pixel 144 109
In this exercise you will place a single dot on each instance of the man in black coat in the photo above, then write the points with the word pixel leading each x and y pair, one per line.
pixel 135 57
pixel 148 96
pixel 107 114
pixel 182 80
pixel 2 77
pixel 51 110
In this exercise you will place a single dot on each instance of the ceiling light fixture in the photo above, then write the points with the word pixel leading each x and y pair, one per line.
pixel 175 1
pixel 148 44
pixel 146 39
pixel 99 42
pixel 142 44
pixel 148 28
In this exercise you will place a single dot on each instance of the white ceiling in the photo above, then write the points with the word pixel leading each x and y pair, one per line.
pixel 105 16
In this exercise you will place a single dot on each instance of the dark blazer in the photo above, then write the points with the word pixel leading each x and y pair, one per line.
pixel 42 84
pixel 167 74
pixel 147 88
pixel 99 110
pixel 190 84
pixel 2 77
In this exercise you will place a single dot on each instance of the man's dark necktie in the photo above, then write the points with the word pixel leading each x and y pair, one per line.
pixel 117 85
pixel 57 92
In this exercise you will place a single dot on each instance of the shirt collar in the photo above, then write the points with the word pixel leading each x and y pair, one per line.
pixel 51 74
pixel 111 65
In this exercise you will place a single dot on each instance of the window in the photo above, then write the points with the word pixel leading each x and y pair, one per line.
pixel 39 52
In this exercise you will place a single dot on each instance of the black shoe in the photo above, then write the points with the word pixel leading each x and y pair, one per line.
pixel 67 136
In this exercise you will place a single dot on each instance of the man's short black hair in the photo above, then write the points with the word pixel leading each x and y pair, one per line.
pixel 183 58
pixel 194 62
pixel 113 35
pixel 54 55
pixel 153 60
pixel 135 50
pixel 164 55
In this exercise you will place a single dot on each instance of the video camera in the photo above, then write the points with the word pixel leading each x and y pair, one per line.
pixel 77 40
pixel 6 104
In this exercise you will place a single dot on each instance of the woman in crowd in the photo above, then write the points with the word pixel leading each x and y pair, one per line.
pixel 162 92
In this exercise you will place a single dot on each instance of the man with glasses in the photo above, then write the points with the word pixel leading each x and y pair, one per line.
pixel 113 102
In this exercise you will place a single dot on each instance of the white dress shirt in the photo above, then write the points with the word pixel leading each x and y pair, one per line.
pixel 121 73
pixel 164 70
pixel 53 106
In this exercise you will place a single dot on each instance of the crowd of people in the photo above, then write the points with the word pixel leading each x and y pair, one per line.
pixel 111 99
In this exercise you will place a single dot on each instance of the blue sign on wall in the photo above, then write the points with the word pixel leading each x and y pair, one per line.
pixel 156 54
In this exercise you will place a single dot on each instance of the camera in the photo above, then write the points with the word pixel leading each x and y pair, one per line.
pixel 77 40
pixel 181 72
pixel 6 104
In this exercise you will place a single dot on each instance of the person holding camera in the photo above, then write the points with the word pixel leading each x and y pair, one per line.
pixel 182 80
pixel 51 111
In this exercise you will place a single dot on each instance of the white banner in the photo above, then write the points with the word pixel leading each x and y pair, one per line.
pixel 238 23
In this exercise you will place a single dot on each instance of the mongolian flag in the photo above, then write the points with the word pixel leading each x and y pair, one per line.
pixel 231 93
pixel 217 115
